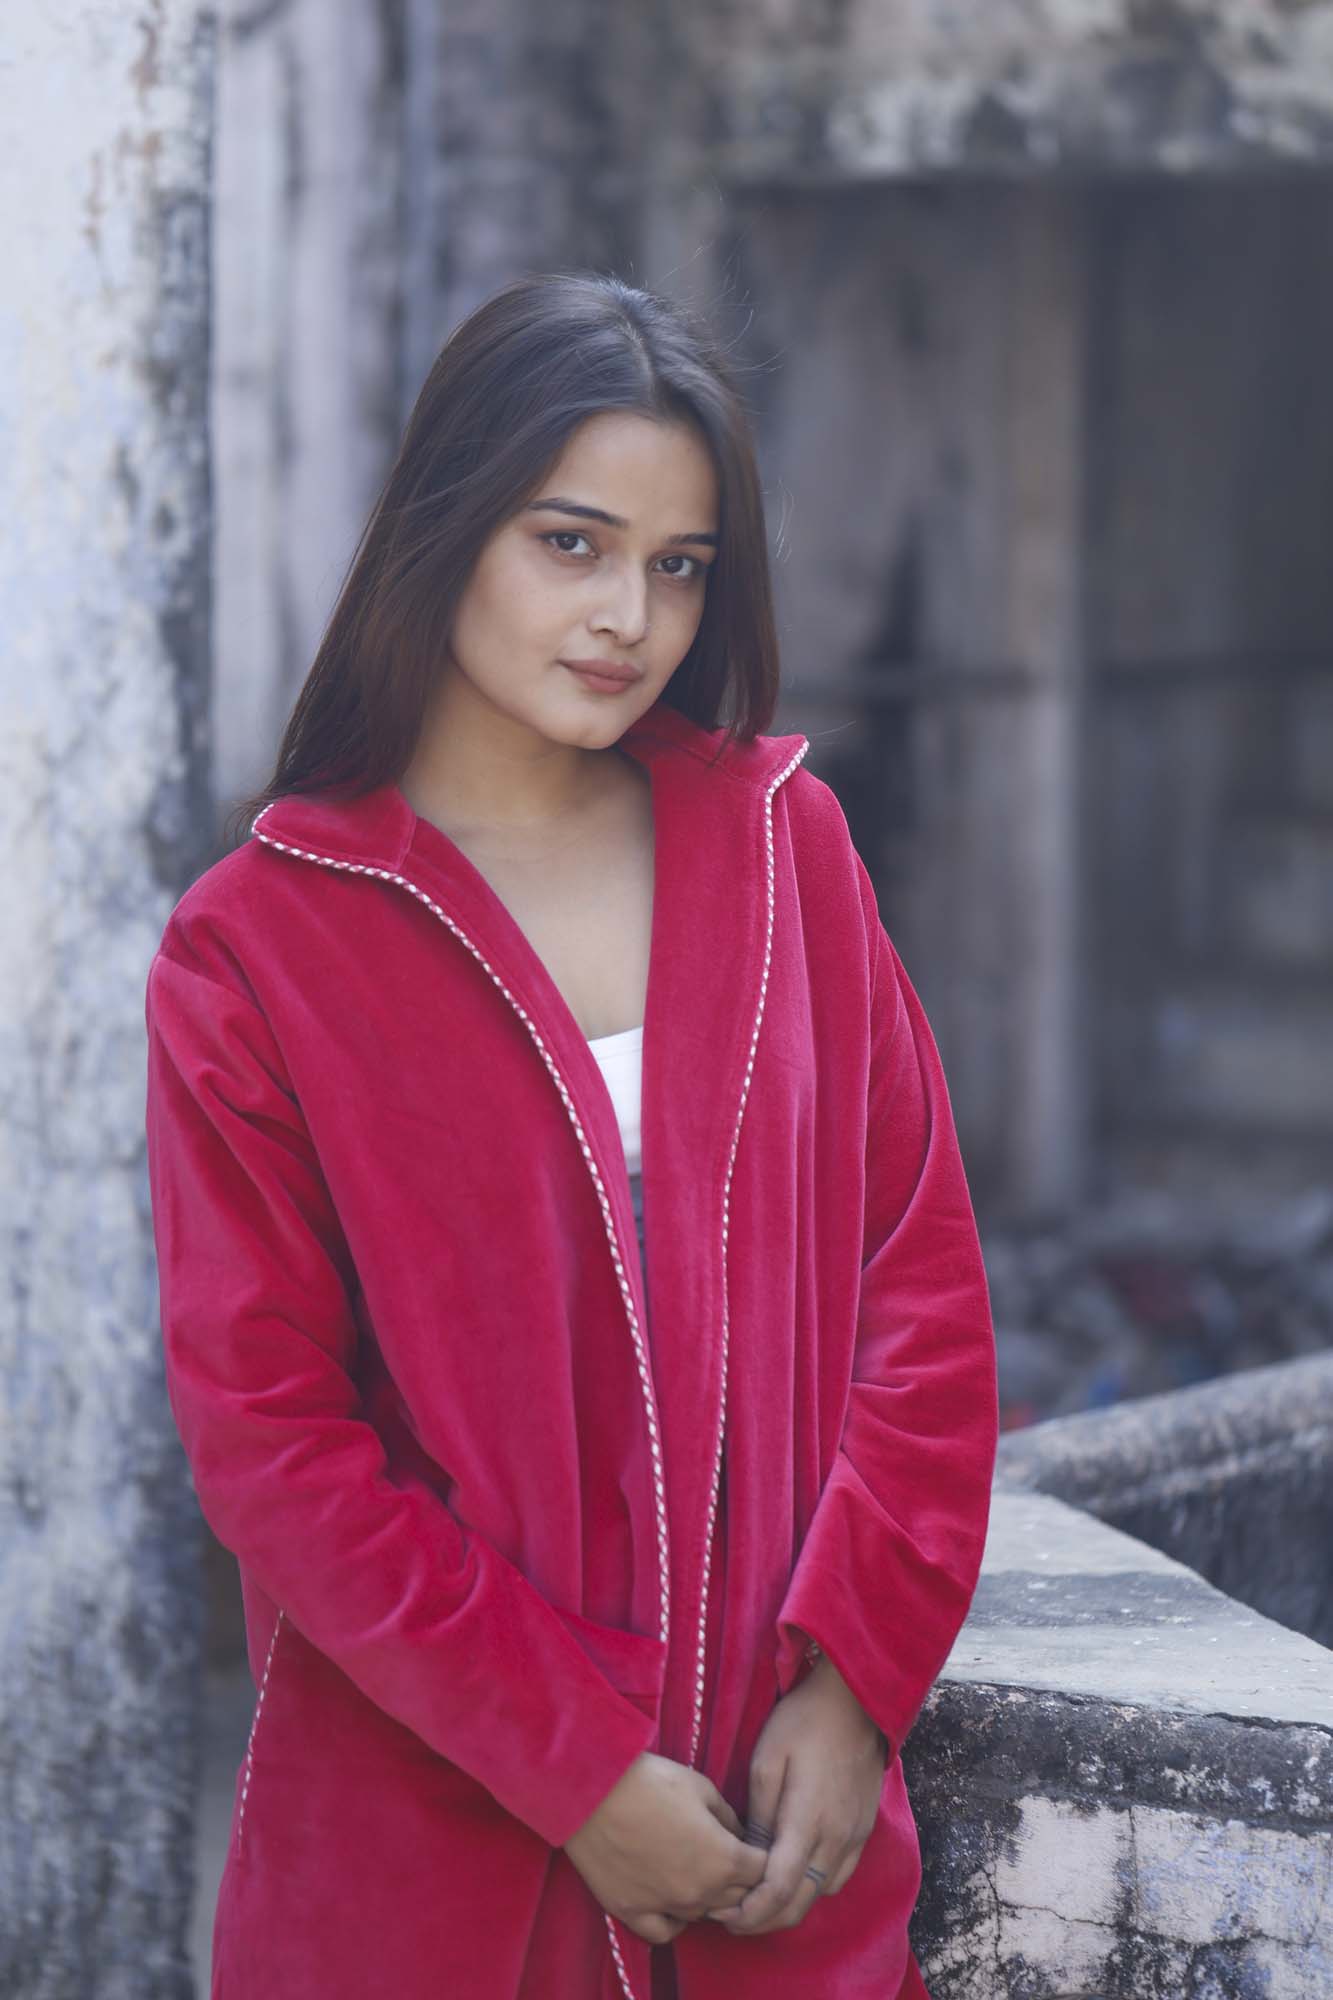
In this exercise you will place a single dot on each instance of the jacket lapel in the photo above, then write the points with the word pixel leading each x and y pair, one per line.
pixel 706 987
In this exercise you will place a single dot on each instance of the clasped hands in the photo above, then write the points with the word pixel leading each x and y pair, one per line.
pixel 664 1848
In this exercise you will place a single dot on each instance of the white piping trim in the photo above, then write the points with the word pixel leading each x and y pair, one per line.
pixel 701 1647
pixel 254 1725
pixel 618 1956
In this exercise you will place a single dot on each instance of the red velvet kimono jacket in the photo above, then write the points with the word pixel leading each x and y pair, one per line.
pixel 500 1527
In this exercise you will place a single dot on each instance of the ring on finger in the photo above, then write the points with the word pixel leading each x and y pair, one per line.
pixel 819 1875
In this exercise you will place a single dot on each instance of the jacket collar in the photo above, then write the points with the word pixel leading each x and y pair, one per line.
pixel 378 828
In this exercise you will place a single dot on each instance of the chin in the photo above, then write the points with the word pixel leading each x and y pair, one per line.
pixel 589 719
pixel 578 732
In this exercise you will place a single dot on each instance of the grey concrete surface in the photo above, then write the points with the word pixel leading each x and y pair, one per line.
pixel 1233 1477
pixel 1067 1604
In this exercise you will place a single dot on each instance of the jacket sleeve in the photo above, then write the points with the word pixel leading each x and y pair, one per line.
pixel 890 1562
pixel 427 1618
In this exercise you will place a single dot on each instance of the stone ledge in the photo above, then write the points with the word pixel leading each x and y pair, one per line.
pixel 1233 1476
pixel 1146 1446
pixel 1123 1781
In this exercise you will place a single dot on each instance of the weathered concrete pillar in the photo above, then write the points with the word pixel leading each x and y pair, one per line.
pixel 106 112
pixel 306 354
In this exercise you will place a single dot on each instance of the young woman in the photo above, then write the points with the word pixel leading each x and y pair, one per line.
pixel 572 1305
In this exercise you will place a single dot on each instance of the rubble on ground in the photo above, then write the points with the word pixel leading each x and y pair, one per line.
pixel 1149 1292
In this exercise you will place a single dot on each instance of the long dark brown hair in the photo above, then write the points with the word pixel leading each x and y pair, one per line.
pixel 511 383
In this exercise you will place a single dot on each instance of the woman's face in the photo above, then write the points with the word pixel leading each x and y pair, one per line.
pixel 608 561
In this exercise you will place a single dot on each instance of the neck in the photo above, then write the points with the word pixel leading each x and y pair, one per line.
pixel 478 768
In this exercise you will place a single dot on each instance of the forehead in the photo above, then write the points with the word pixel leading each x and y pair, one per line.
pixel 637 466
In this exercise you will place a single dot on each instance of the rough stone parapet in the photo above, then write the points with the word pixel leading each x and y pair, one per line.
pixel 1233 1476
pixel 1123 1781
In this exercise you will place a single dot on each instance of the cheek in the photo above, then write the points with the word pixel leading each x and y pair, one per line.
pixel 684 615
pixel 504 600
pixel 528 592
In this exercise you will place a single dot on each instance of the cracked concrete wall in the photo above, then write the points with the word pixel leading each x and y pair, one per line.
pixel 1147 1903
pixel 104 494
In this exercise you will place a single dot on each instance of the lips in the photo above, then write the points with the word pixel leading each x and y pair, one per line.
pixel 603 673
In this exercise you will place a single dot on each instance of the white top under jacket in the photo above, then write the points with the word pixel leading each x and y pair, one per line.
pixel 620 1059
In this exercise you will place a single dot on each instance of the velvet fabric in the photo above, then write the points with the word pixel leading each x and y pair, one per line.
pixel 473 1488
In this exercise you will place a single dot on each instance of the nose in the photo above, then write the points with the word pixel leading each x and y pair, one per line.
pixel 624 609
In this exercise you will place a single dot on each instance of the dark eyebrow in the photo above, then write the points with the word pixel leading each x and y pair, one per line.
pixel 556 504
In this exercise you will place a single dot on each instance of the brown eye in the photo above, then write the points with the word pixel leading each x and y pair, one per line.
pixel 695 574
